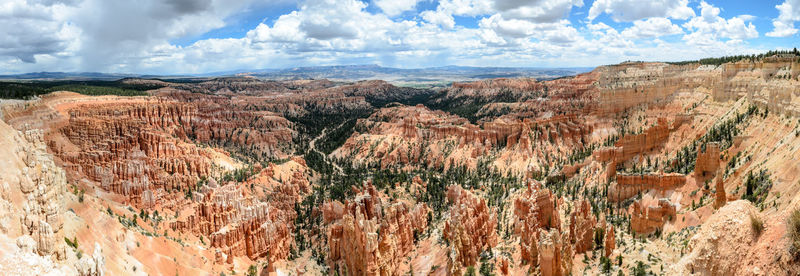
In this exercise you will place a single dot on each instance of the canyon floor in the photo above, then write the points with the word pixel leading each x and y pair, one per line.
pixel 635 168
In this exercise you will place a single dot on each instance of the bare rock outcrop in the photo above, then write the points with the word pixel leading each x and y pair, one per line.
pixel 771 83
pixel 470 229
pixel 416 136
pixel 632 145
pixel 555 254
pixel 707 162
pixel 581 227
pixel 610 241
pixel 629 185
pixel 542 243
pixel 44 186
pixel 143 150
pixel 649 215
pixel 93 265
pixel 720 197
pixel 368 237
pixel 238 223
pixel 720 246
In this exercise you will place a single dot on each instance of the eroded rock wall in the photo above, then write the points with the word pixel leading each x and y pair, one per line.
pixel 649 215
pixel 369 237
pixel 629 185
pixel 470 228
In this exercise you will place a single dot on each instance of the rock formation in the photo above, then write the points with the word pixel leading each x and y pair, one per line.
pixel 368 237
pixel 707 163
pixel 629 185
pixel 721 197
pixel 542 243
pixel 470 228
pixel 720 246
pixel 33 212
pixel 632 145
pixel 239 224
pixel 178 149
pixel 555 254
pixel 93 265
pixel 143 151
pixel 405 136
pixel 43 186
pixel 649 215
pixel 581 227
pixel 610 241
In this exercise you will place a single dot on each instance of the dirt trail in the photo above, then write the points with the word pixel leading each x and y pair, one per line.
pixel 312 147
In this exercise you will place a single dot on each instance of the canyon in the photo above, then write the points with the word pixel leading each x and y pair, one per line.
pixel 684 168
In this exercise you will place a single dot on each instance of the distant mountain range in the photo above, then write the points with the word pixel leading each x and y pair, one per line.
pixel 341 72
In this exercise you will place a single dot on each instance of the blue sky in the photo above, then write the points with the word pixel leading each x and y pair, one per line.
pixel 197 36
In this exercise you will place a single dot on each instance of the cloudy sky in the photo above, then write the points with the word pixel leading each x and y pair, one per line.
pixel 197 36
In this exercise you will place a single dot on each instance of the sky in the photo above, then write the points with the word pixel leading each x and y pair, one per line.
pixel 202 36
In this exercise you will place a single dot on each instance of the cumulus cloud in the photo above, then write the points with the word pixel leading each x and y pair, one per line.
pixel 339 26
pixel 122 32
pixel 465 7
pixel 709 27
pixel 536 10
pixel 440 18
pixel 507 30
pixel 631 10
pixel 789 12
pixel 651 27
pixel 396 7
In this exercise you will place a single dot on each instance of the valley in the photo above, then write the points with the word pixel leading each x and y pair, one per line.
pixel 636 168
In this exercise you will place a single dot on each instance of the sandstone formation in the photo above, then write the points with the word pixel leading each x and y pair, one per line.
pixel 581 227
pixel 720 196
pixel 770 83
pixel 543 244
pixel 649 215
pixel 610 241
pixel 555 254
pixel 633 145
pixel 93 265
pixel 239 224
pixel 629 185
pixel 707 163
pixel 415 135
pixel 720 246
pixel 33 192
pixel 629 84
pixel 222 161
pixel 369 237
pixel 470 228
pixel 145 149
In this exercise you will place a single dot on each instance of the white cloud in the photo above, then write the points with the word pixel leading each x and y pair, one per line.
pixel 285 29
pixel 440 18
pixel 537 10
pixel 465 7
pixel 31 29
pixel 631 10
pixel 789 12
pixel 396 7
pixel 709 27
pixel 531 10
pixel 120 36
pixel 651 27
pixel 502 31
